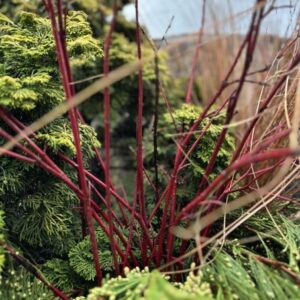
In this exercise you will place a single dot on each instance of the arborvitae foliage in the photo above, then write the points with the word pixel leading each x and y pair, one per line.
pixel 245 278
pixel 11 7
pixel 176 125
pixel 234 272
pixel 29 73
pixel 184 118
pixel 42 216
pixel 61 274
pixel 142 284
pixel 29 77
pixel 81 259
pixel 16 283
pixel 58 136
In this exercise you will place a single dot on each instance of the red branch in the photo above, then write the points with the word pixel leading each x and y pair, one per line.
pixel 251 41
pixel 139 188
pixel 107 45
pixel 63 61
pixel 139 125
pixel 243 161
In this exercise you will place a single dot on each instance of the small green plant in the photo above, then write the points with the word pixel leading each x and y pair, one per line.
pixel 150 285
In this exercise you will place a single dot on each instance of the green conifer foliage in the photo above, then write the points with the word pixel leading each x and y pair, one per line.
pixel 184 117
pixel 125 92
pixel 148 285
pixel 17 284
pixel 59 272
pixel 81 259
pixel 11 7
pixel 240 277
pixel 42 214
pixel 29 74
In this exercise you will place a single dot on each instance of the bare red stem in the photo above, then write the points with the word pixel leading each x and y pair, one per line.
pixel 243 161
pixel 139 189
pixel 107 45
pixel 63 61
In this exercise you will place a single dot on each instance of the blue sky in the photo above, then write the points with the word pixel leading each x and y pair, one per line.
pixel 156 16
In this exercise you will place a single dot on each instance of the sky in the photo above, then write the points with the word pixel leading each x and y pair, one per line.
pixel 156 15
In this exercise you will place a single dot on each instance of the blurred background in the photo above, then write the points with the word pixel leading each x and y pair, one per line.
pixel 175 25
pixel 232 15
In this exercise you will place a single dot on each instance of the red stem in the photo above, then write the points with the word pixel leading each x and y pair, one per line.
pixel 65 71
pixel 17 156
pixel 265 105
pixel 186 140
pixel 139 125
pixel 12 122
pixel 107 45
pixel 114 215
pixel 252 39
pixel 139 189
pixel 243 161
